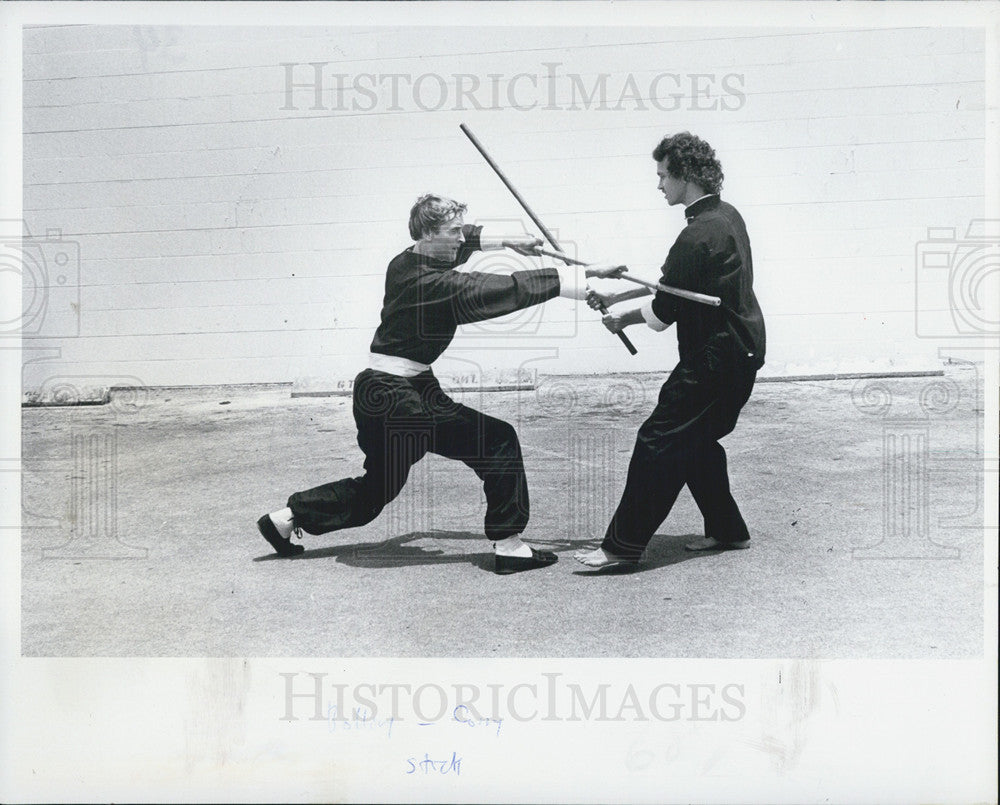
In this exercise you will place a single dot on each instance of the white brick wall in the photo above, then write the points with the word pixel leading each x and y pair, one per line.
pixel 224 239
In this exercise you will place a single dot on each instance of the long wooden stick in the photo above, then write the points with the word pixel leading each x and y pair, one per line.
pixel 705 299
pixel 524 205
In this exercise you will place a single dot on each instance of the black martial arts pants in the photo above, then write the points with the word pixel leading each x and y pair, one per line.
pixel 400 420
pixel 678 445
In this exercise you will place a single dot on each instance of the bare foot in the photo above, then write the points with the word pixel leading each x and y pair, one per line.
pixel 599 558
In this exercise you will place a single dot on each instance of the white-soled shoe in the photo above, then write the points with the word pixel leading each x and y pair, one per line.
pixel 281 544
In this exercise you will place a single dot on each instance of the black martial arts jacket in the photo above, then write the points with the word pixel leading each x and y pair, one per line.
pixel 426 299
pixel 712 256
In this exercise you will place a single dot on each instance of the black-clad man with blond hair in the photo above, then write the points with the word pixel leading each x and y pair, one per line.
pixel 399 407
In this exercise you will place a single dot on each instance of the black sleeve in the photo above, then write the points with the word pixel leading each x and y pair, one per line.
pixel 664 307
pixel 475 296
pixel 687 261
pixel 681 269
pixel 471 244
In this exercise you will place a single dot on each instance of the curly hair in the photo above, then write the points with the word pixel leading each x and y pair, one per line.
pixel 431 212
pixel 692 159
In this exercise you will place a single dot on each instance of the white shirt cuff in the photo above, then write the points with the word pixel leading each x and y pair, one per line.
pixel 572 282
pixel 652 322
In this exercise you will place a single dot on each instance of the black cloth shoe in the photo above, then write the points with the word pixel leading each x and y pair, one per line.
pixel 515 564
pixel 283 545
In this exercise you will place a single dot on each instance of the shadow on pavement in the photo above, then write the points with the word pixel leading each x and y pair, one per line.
pixel 397 552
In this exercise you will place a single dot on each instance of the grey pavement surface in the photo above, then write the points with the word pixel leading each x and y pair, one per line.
pixel 864 499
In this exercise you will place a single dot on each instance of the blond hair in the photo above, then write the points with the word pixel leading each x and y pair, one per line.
pixel 431 212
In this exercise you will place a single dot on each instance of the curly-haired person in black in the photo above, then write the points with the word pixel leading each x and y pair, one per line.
pixel 720 349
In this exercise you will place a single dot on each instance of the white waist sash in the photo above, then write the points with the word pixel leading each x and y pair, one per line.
pixel 391 365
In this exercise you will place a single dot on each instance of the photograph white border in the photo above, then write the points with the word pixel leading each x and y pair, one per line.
pixel 211 729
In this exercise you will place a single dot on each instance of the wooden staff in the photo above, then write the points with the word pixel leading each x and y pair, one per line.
pixel 524 205
pixel 705 299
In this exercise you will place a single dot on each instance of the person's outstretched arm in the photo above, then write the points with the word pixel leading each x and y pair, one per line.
pixel 479 296
pixel 522 244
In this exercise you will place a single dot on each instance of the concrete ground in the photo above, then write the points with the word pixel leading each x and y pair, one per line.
pixel 864 499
